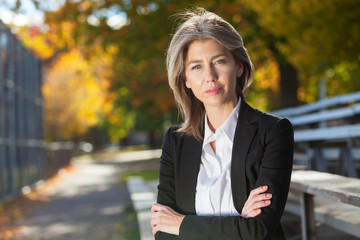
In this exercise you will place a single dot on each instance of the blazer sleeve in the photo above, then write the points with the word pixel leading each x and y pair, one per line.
pixel 275 171
pixel 166 187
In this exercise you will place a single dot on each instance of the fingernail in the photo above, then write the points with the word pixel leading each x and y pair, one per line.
pixel 264 187
pixel 269 195
pixel 267 201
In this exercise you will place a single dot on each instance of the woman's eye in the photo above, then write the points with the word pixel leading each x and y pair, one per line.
pixel 195 67
pixel 220 61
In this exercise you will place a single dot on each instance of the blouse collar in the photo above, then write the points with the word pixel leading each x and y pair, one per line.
pixel 228 127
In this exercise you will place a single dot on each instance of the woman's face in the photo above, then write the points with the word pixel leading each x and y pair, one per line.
pixel 211 72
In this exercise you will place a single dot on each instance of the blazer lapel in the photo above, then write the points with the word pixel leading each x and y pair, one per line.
pixel 244 133
pixel 190 158
pixel 188 172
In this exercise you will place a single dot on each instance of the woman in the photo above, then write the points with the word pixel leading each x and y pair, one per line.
pixel 225 172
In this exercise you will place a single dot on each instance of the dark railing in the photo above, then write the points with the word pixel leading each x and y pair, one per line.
pixel 24 158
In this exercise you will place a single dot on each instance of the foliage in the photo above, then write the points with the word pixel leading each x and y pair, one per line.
pixel 33 39
pixel 75 94
pixel 139 83
pixel 318 39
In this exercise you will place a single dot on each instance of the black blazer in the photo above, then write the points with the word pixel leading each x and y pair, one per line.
pixel 262 155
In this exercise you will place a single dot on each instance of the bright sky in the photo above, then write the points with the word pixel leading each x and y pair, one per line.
pixel 27 13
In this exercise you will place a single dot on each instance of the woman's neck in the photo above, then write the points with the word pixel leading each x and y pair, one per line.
pixel 216 116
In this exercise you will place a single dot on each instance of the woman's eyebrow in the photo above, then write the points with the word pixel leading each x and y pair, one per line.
pixel 194 61
pixel 219 55
pixel 212 58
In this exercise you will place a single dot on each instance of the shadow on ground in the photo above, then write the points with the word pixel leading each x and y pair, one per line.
pixel 89 203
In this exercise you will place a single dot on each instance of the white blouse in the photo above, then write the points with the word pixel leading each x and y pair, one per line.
pixel 213 190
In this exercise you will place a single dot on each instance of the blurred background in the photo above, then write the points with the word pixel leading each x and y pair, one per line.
pixel 88 76
pixel 103 69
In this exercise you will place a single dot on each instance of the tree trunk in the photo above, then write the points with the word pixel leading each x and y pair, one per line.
pixel 152 141
pixel 289 83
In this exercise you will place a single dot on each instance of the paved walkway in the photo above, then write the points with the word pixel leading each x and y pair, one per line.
pixel 91 203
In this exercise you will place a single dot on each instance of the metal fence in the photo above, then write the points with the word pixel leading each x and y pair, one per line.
pixel 24 159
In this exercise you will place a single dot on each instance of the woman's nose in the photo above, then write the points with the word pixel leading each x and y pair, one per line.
pixel 211 74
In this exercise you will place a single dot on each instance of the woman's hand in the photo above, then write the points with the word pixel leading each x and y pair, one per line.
pixel 165 219
pixel 256 200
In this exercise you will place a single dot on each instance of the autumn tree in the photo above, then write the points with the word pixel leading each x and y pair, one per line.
pixel 292 43
pixel 140 80
pixel 75 94
pixel 319 38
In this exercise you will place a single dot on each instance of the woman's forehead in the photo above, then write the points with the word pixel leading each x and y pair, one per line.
pixel 206 47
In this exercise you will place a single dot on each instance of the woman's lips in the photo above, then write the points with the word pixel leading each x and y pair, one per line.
pixel 213 91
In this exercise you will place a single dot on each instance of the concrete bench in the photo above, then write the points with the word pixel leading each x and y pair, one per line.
pixel 326 115
pixel 142 196
pixel 315 141
pixel 328 123
pixel 328 198
pixel 320 105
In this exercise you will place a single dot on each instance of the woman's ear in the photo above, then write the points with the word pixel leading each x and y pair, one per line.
pixel 239 70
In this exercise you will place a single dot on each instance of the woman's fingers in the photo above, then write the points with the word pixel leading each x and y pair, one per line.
pixel 260 204
pixel 256 200
pixel 164 218
pixel 258 194
pixel 261 197
pixel 254 213
pixel 157 207
pixel 254 209
pixel 258 190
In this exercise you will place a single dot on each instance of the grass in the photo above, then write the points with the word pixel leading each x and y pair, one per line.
pixel 147 175
pixel 130 230
pixel 127 228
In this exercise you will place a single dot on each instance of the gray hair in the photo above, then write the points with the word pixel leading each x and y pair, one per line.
pixel 200 24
